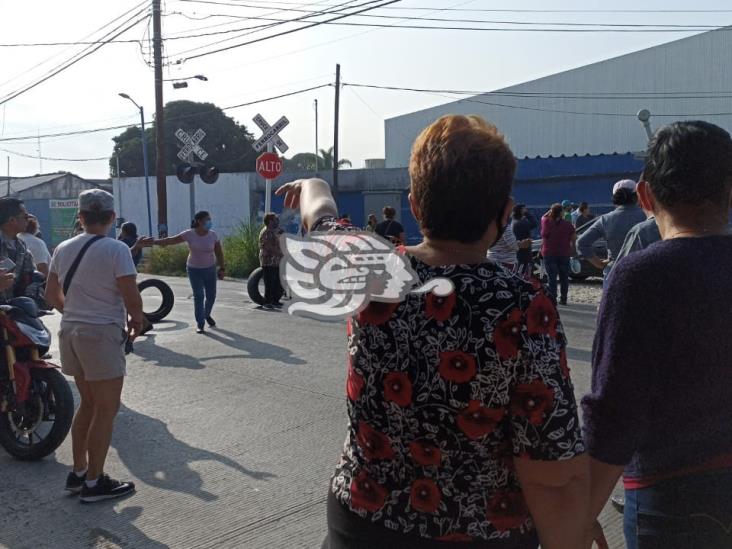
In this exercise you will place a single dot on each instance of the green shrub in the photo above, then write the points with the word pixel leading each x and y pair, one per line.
pixel 241 251
pixel 168 261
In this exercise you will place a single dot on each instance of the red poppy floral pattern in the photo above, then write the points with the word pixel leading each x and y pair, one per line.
pixel 354 384
pixel 425 453
pixel 374 445
pixel 398 388
pixel 367 494
pixel 425 495
pixel 457 366
pixel 439 307
pixel 532 401
pixel 507 511
pixel 507 335
pixel 443 395
pixel 477 421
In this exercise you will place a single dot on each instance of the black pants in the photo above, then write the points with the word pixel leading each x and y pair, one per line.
pixel 346 530
pixel 272 287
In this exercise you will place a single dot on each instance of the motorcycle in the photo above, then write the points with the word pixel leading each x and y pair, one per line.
pixel 36 403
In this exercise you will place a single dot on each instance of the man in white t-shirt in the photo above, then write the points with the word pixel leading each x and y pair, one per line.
pixel 36 246
pixel 101 308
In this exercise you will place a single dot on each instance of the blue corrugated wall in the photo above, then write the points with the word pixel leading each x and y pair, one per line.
pixel 539 183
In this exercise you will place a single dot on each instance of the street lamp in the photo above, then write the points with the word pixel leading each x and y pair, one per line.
pixel 144 159
pixel 644 116
pixel 181 82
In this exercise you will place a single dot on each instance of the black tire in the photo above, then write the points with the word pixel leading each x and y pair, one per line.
pixel 63 411
pixel 168 299
pixel 253 286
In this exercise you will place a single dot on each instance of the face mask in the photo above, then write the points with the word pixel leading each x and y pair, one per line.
pixel 207 225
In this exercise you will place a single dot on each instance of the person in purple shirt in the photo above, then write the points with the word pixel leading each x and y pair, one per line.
pixel 204 252
pixel 660 409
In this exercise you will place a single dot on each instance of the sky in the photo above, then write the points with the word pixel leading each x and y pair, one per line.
pixel 86 95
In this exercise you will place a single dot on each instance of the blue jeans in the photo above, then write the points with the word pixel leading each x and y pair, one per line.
pixel 683 513
pixel 203 282
pixel 557 266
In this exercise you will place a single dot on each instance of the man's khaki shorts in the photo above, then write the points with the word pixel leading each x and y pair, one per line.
pixel 96 351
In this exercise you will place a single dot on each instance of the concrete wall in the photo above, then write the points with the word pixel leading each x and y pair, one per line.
pixel 239 198
pixel 227 200
pixel 546 117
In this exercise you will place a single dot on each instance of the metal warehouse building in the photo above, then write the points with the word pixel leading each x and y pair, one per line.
pixel 592 109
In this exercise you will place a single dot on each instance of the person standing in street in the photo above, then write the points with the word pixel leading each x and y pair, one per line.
pixel 371 223
pixel 270 255
pixel 36 246
pixel 390 228
pixel 558 240
pixel 92 282
pixel 567 210
pixel 204 252
pixel 613 227
pixel 128 235
pixel 523 225
pixel 505 251
pixel 659 410
pixel 584 215
pixel 13 221
pixel 462 425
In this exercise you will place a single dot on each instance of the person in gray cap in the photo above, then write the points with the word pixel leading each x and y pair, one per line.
pixel 92 282
pixel 613 226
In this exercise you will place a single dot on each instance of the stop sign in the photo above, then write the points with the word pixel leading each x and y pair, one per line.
pixel 269 165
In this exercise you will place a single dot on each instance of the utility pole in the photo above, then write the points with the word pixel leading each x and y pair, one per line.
pixel 40 159
pixel 316 137
pixel 335 136
pixel 159 123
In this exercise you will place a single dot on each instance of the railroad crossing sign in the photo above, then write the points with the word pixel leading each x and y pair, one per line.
pixel 270 135
pixel 191 144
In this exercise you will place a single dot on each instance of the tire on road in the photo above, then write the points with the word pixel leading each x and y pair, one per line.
pixel 253 286
pixel 64 413
pixel 167 303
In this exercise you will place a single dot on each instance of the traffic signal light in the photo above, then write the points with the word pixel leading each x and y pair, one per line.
pixel 185 173
pixel 209 174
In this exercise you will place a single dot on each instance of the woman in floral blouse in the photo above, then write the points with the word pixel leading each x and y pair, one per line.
pixel 269 259
pixel 463 427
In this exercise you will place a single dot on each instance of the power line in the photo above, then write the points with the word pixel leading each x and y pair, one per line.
pixel 567 95
pixel 36 157
pixel 447 20
pixel 67 64
pixel 111 128
pixel 291 31
pixel 412 8
pixel 335 9
pixel 442 93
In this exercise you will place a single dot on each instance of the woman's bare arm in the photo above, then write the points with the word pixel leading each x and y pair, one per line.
pixel 558 496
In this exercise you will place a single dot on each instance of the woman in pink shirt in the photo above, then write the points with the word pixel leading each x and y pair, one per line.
pixel 558 239
pixel 204 252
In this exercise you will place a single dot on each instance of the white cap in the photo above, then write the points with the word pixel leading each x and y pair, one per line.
pixel 96 200
pixel 628 184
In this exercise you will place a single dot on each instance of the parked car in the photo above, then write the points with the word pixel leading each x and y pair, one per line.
pixel 587 269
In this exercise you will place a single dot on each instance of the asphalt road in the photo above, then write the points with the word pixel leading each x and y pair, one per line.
pixel 231 437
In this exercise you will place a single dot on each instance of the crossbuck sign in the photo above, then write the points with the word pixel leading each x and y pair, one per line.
pixel 191 144
pixel 270 135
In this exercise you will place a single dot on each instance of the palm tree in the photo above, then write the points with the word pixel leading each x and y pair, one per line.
pixel 306 161
pixel 326 160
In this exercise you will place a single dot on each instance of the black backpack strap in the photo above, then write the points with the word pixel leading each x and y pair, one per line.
pixel 75 265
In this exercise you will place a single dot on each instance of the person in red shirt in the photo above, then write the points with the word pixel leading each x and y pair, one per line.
pixel 558 240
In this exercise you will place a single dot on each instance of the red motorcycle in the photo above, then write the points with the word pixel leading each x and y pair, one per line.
pixel 36 404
